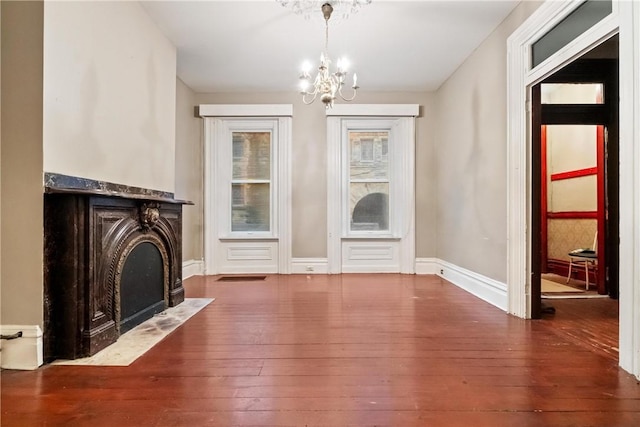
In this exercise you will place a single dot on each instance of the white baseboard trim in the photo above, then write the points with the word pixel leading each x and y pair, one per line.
pixel 427 266
pixel 192 267
pixel 26 352
pixel 483 287
pixel 309 266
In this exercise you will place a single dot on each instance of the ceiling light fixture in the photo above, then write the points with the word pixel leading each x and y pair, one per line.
pixel 306 7
pixel 326 84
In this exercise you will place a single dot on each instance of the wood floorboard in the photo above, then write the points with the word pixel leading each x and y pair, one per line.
pixel 590 323
pixel 361 350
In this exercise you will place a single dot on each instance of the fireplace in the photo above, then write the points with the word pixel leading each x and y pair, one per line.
pixel 112 260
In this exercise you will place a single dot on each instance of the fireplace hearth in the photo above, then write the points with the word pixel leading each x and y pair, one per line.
pixel 112 260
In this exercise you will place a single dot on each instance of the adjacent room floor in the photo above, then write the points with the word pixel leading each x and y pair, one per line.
pixel 384 350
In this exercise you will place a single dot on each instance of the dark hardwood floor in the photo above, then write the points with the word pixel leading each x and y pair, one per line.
pixel 362 350
pixel 590 323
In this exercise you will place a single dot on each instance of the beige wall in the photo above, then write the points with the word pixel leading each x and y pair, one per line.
pixel 109 94
pixel 21 168
pixel 189 171
pixel 570 148
pixel 88 89
pixel 309 167
pixel 471 156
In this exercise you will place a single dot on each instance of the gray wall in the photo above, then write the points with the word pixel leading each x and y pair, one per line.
pixel 189 171
pixel 471 156
pixel 309 168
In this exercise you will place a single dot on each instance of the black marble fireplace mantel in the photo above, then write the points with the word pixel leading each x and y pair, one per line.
pixel 99 238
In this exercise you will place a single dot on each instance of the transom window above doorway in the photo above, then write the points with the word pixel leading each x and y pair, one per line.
pixel 573 25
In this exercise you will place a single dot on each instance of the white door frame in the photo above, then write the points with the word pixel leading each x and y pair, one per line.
pixel 284 113
pixel 335 178
pixel 624 20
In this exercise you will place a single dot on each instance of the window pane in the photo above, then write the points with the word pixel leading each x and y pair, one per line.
pixel 369 155
pixel 571 148
pixel 251 155
pixel 369 206
pixel 580 20
pixel 572 93
pixel 250 207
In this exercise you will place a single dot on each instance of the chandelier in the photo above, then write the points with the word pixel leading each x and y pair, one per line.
pixel 306 7
pixel 326 84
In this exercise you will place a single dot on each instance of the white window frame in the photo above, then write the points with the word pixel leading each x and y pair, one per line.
pixel 283 113
pixel 225 130
pixel 368 125
pixel 403 116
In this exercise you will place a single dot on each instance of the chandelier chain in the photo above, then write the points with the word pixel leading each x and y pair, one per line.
pixel 326 37
pixel 327 85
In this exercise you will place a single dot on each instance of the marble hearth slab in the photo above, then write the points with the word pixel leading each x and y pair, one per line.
pixel 143 337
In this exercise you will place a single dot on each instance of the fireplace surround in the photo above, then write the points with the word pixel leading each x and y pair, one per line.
pixel 112 260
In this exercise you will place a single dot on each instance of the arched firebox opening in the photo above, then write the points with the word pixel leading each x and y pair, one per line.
pixel 141 291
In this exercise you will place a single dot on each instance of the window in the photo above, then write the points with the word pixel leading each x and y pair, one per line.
pixel 369 181
pixel 572 93
pixel 366 150
pixel 577 22
pixel 371 200
pixel 247 179
pixel 251 182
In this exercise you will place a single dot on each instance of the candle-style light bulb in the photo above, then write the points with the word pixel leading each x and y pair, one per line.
pixel 355 80
pixel 343 64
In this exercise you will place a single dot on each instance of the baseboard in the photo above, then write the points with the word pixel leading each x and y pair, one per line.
pixel 192 267
pixel 26 352
pixel 483 287
pixel 426 265
pixel 309 266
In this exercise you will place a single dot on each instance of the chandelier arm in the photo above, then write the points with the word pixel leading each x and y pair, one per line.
pixel 306 94
pixel 355 91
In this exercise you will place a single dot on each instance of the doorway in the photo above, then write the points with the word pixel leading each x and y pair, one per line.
pixel 574 200
pixel 521 76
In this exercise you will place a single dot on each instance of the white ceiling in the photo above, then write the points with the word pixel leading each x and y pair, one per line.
pixel 242 46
